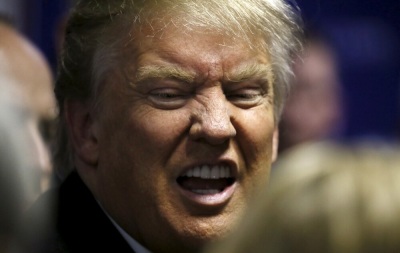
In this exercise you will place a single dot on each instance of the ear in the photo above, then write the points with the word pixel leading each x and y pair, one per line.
pixel 275 143
pixel 81 131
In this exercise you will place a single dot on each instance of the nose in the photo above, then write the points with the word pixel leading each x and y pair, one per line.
pixel 212 120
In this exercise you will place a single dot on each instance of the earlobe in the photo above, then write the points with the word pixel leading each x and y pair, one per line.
pixel 275 143
pixel 81 130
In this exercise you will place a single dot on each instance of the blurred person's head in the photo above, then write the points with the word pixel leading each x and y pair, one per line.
pixel 313 111
pixel 26 84
pixel 325 198
pixel 12 189
pixel 171 109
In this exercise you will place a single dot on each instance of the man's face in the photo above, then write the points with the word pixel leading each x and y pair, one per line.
pixel 185 136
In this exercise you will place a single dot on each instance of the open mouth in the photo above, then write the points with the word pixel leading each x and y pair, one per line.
pixel 207 180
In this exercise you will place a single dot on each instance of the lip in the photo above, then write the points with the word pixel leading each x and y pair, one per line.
pixel 210 200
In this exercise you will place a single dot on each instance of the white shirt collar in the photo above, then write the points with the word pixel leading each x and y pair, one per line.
pixel 137 247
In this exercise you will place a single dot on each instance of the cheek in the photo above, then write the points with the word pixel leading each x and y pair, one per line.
pixel 256 144
pixel 146 139
pixel 257 128
pixel 134 155
pixel 157 130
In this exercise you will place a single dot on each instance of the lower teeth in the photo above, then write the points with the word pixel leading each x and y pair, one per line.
pixel 205 192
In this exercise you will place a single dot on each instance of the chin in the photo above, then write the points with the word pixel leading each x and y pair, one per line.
pixel 204 230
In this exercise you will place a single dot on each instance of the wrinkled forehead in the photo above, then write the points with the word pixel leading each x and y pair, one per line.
pixel 185 25
pixel 195 55
pixel 182 32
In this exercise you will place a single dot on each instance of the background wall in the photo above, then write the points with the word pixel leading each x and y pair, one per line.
pixel 365 34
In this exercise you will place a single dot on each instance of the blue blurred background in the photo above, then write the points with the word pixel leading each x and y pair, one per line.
pixel 365 35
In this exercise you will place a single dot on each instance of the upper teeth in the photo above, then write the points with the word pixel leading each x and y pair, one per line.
pixel 207 172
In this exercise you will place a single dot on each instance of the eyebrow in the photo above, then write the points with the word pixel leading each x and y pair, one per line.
pixel 248 72
pixel 163 72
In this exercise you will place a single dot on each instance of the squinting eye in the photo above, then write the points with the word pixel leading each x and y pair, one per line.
pixel 168 98
pixel 245 97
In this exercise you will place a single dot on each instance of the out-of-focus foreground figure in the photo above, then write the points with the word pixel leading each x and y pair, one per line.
pixel 12 192
pixel 326 198
pixel 26 87
pixel 28 107
pixel 314 109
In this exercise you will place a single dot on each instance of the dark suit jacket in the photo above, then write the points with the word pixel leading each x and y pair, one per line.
pixel 75 223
